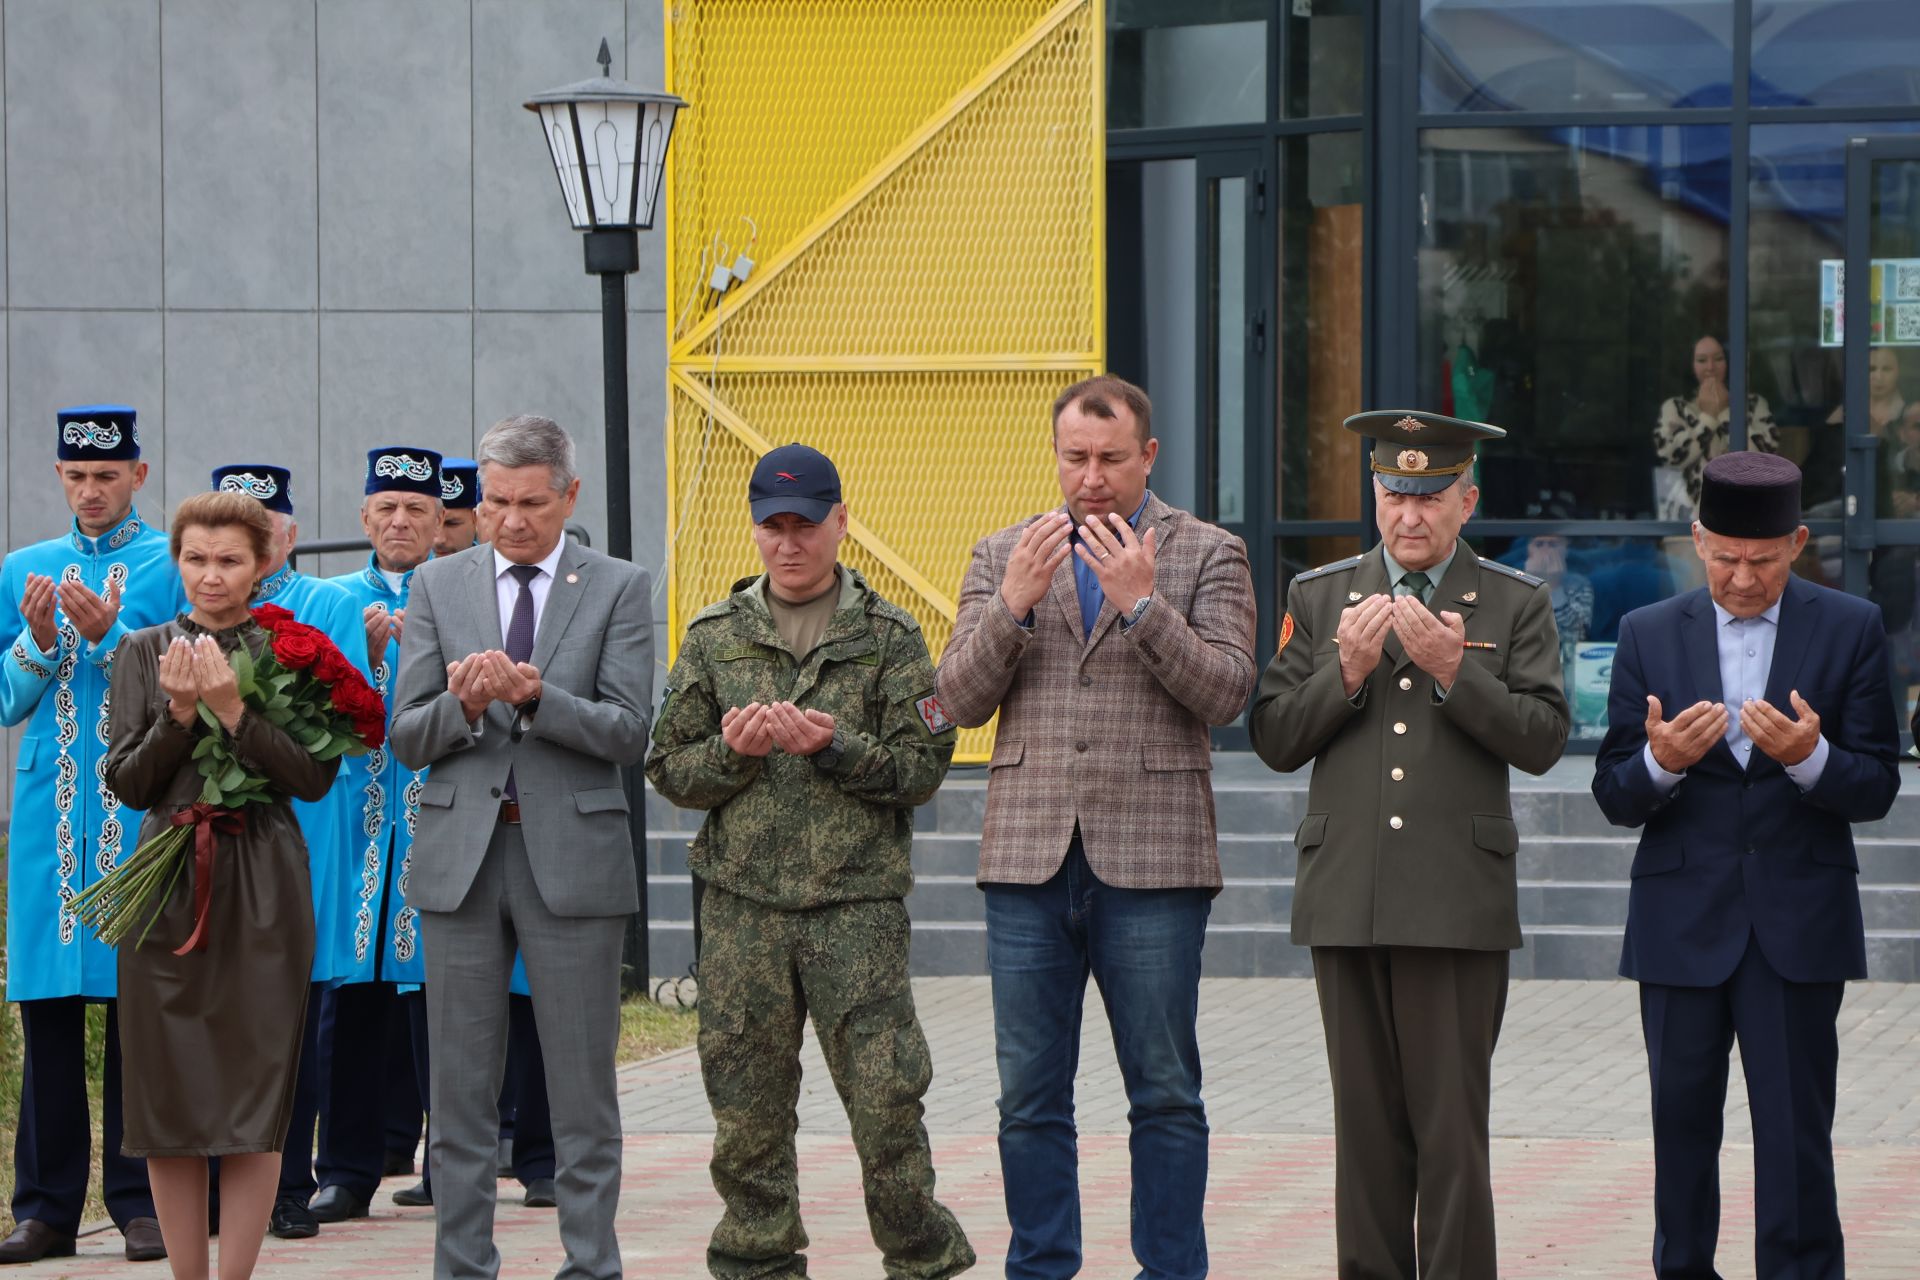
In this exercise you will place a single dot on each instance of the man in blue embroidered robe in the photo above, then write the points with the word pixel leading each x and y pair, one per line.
pixel 328 825
pixel 401 516
pixel 64 605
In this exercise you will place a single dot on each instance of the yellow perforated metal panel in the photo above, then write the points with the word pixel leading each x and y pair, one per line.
pixel 920 185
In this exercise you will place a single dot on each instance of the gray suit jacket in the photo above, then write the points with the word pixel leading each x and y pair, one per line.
pixel 594 649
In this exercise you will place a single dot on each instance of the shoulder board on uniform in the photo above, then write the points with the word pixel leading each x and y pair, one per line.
pixel 718 609
pixel 1511 572
pixel 880 606
pixel 1325 569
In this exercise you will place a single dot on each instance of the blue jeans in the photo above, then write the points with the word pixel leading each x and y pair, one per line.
pixel 1143 948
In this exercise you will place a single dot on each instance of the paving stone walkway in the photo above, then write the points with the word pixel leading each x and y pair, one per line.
pixel 1572 1159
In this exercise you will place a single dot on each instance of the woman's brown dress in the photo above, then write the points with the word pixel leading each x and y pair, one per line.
pixel 210 1041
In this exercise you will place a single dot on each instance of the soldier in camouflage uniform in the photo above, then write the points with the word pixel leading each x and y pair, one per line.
pixel 801 716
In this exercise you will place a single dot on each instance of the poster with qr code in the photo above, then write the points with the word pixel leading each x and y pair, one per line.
pixel 1893 302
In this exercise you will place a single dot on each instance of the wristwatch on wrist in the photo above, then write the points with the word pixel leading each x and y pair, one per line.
pixel 1139 609
pixel 828 757
pixel 527 708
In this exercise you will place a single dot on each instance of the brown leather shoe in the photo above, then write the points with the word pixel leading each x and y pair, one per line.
pixel 33 1240
pixel 143 1240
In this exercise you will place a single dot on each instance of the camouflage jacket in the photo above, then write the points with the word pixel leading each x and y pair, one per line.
pixel 780 830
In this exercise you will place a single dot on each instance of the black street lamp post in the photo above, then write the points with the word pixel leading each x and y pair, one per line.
pixel 608 141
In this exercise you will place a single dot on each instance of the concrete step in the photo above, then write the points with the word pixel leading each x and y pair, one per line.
pixel 1573 867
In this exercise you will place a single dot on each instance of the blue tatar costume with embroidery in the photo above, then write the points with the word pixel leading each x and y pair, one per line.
pixel 68 830
pixel 329 824
pixel 386 797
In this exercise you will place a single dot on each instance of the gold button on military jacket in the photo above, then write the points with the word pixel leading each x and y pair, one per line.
pixel 1409 837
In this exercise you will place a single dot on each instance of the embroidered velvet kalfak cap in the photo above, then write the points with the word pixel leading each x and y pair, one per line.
pixel 402 468
pixel 97 433
pixel 460 482
pixel 1750 495
pixel 272 485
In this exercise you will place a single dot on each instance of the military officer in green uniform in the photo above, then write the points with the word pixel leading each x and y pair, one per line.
pixel 801 716
pixel 1413 677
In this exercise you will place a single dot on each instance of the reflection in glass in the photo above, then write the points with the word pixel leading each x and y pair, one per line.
pixel 1153 306
pixel 1693 429
pixel 1797 233
pixel 1835 53
pixel 1180 63
pixel 1227 286
pixel 1566 278
pixel 1574 55
pixel 1293 556
pixel 1319 360
pixel 1326 58
pixel 1595 582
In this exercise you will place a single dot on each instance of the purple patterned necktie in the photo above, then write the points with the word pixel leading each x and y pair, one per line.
pixel 520 634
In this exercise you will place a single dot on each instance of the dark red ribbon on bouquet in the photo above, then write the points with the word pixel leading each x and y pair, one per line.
pixel 206 821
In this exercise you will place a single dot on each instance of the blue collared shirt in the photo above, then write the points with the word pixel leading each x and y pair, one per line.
pixel 1746 660
pixel 1086 583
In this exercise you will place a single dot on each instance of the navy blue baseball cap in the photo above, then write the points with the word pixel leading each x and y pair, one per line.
pixel 793 478
pixel 460 482
pixel 98 433
pixel 272 485
pixel 402 468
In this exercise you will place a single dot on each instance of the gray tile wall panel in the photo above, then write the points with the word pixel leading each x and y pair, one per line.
pixel 83 169
pixel 59 358
pixel 239 118
pixel 243 387
pixel 396 155
pixel 526 256
pixel 547 363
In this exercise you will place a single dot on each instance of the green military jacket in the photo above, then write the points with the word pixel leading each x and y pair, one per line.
pixel 780 830
pixel 1409 837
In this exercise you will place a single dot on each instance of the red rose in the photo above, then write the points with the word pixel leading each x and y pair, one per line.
pixel 296 647
pixel 271 616
pixel 332 666
pixel 356 700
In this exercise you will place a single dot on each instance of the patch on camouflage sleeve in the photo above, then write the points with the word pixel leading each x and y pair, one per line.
pixel 660 720
pixel 932 715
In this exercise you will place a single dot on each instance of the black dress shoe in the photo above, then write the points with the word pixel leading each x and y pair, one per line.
pixel 337 1204
pixel 539 1194
pixel 415 1196
pixel 33 1240
pixel 292 1220
pixel 143 1240
pixel 397 1164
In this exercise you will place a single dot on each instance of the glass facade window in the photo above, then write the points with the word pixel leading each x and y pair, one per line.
pixel 1574 55
pixel 1836 53
pixel 1153 240
pixel 1175 64
pixel 1321 259
pixel 1566 277
pixel 1326 58
pixel 1796 237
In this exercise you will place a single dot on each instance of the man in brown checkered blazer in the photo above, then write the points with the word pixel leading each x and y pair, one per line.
pixel 1108 635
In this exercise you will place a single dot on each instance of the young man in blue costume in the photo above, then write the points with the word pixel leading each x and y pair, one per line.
pixel 64 605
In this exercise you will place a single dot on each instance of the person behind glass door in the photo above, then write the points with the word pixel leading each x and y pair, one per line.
pixel 1693 429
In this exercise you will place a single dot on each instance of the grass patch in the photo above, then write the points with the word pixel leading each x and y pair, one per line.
pixel 648 1030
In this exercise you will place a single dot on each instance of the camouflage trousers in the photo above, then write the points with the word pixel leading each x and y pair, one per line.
pixel 762 971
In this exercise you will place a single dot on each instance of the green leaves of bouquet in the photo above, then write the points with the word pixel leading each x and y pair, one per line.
pixel 302 685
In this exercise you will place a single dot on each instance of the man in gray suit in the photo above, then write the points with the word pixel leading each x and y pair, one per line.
pixel 526 674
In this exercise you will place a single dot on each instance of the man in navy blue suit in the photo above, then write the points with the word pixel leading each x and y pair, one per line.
pixel 1744 915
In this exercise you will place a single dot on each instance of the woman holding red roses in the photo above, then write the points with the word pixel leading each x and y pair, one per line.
pixel 212 1001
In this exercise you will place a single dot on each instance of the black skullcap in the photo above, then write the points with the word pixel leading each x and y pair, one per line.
pixel 1750 495
pixel 97 433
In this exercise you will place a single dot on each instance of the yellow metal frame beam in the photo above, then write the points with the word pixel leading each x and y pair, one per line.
pixel 726 416
pixel 686 348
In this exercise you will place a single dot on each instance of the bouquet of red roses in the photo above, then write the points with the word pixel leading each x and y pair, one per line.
pixel 302 685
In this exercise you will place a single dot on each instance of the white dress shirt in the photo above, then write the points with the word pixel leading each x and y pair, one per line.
pixel 1746 660
pixel 507 587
